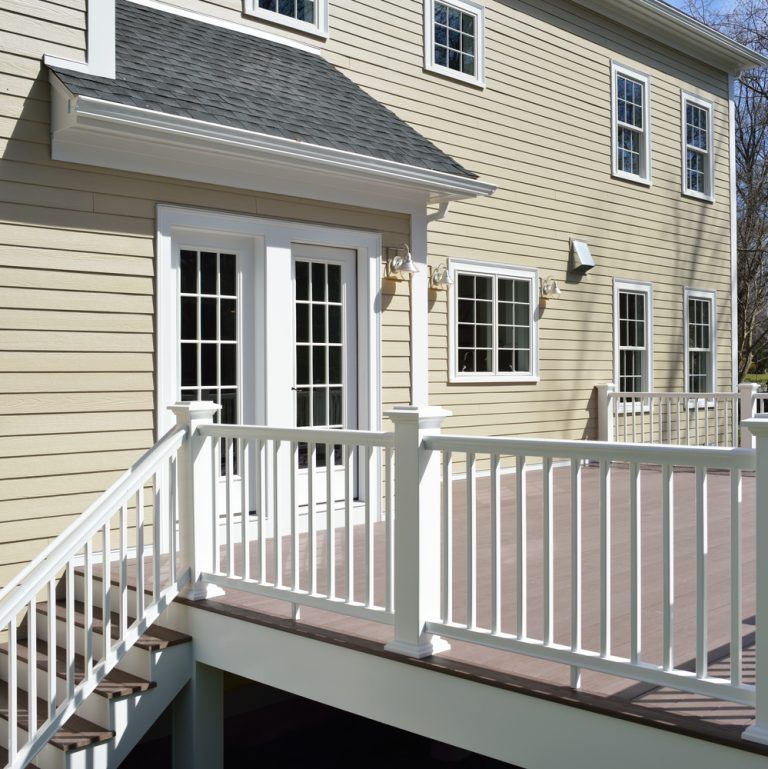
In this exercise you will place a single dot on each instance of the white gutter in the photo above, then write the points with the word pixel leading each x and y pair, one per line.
pixel 85 113
pixel 661 21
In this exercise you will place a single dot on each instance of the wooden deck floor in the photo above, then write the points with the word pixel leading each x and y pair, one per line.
pixel 709 719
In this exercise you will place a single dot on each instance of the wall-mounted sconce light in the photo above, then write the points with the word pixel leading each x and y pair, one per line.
pixel 400 262
pixel 549 289
pixel 581 257
pixel 440 278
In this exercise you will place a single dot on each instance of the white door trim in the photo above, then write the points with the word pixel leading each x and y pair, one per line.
pixel 272 241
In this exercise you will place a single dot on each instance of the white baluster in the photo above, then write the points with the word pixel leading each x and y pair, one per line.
pixel 447 499
pixel 548 548
pixel 521 492
pixel 605 558
pixel 495 546
pixel 736 564
pixel 635 561
pixel 668 548
pixel 471 542
pixel 575 567
pixel 702 557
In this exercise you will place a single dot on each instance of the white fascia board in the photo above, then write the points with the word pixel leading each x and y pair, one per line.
pixel 100 55
pixel 97 132
pixel 662 22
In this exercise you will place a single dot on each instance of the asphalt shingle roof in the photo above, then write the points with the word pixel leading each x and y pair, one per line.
pixel 171 64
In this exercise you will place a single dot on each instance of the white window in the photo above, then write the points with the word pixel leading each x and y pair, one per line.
pixel 493 323
pixel 454 39
pixel 699 318
pixel 631 129
pixel 304 15
pixel 698 155
pixel 633 335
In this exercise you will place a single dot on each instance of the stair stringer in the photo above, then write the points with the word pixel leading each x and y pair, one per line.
pixel 133 715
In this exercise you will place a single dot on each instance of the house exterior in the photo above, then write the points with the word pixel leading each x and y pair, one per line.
pixel 313 211
pixel 535 117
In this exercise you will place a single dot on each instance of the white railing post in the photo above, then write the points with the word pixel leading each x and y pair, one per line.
pixel 747 407
pixel 417 531
pixel 758 731
pixel 196 492
pixel 605 431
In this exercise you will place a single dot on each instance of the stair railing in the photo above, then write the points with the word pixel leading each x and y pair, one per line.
pixel 136 517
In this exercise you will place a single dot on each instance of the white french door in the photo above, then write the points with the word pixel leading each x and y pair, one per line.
pixel 325 357
pixel 215 344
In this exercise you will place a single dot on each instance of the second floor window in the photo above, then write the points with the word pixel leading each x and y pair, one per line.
pixel 631 125
pixel 454 39
pixel 697 148
pixel 304 15
pixel 632 343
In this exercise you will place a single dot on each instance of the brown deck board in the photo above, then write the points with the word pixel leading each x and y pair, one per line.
pixel 705 717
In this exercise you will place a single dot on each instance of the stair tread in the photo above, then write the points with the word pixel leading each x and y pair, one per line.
pixel 156 638
pixel 114 581
pixel 117 683
pixel 4 758
pixel 75 733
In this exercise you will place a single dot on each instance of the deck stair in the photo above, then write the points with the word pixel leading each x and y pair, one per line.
pixel 123 705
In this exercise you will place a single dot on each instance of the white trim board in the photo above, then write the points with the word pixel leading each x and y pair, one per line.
pixel 271 244
pixel 318 29
pixel 100 41
pixel 494 270
pixel 622 284
pixel 110 135
pixel 646 163
pixel 517 728
pixel 711 297
pixel 232 26
pixel 471 8
pixel 697 101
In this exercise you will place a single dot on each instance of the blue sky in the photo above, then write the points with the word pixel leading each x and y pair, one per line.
pixel 721 5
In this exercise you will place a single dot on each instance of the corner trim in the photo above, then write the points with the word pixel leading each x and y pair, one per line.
pixel 100 52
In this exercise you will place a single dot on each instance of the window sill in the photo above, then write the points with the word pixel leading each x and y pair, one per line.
pixel 280 20
pixel 452 74
pixel 698 196
pixel 642 181
pixel 493 379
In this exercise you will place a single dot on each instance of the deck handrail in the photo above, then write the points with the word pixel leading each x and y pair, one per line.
pixel 19 598
pixel 656 454
pixel 55 555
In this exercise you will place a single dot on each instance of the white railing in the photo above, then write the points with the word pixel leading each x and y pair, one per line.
pixel 280 515
pixel 476 539
pixel 614 472
pixel 678 419
pixel 135 518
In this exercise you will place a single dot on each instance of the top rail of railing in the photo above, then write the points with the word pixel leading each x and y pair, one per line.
pixel 35 576
pixel 300 435
pixel 654 454
pixel 615 394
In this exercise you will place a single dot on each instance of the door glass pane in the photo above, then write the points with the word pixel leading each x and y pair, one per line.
pixel 319 343
pixel 209 352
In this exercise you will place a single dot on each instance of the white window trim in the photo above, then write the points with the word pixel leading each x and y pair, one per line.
pixel 496 270
pixel 646 288
pixel 468 6
pixel 695 293
pixel 644 177
pixel 709 196
pixel 272 241
pixel 319 29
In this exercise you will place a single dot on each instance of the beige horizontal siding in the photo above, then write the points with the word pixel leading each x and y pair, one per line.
pixel 77 243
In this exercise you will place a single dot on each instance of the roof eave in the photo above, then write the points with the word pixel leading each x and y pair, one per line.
pixel 87 114
pixel 660 20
